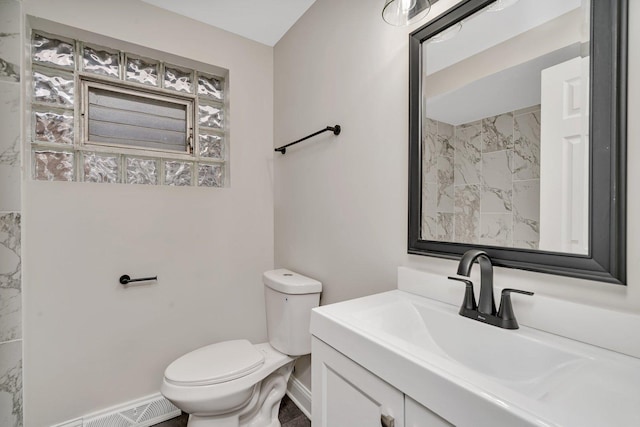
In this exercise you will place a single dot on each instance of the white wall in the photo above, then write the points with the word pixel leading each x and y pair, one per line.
pixel 89 343
pixel 341 202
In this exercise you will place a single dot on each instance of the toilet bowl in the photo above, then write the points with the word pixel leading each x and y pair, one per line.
pixel 239 384
pixel 228 398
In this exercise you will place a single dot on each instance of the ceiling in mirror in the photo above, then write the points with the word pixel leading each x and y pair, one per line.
pixel 474 35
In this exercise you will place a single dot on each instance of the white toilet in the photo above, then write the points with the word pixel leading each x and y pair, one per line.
pixel 239 384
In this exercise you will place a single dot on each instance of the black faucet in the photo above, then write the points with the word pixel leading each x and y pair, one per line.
pixel 485 311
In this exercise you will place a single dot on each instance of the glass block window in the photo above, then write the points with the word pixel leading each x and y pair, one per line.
pixel 102 115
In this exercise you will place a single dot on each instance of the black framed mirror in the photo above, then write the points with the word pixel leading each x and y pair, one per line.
pixel 517 135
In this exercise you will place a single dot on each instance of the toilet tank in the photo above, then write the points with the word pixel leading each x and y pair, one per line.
pixel 289 298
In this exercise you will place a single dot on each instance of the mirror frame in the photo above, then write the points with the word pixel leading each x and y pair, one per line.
pixel 606 260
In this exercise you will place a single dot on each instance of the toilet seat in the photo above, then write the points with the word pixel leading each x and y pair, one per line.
pixel 214 364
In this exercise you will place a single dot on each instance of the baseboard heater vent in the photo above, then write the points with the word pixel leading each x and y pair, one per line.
pixel 142 413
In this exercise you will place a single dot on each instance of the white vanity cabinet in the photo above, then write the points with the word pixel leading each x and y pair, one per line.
pixel 347 395
pixel 416 415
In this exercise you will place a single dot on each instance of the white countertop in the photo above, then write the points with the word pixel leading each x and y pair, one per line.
pixel 474 376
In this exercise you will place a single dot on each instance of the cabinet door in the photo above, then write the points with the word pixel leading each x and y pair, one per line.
pixel 347 395
pixel 417 415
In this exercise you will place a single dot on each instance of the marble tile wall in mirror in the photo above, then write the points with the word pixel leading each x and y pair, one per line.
pixel 481 180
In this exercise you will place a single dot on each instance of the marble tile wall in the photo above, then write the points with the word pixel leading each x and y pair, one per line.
pixel 10 40
pixel 10 256
pixel 481 180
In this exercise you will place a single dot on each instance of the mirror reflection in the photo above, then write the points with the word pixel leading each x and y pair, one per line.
pixel 505 106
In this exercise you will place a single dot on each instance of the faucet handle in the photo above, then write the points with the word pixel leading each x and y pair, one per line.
pixel 506 309
pixel 469 302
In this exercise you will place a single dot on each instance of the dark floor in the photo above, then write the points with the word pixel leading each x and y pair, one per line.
pixel 289 416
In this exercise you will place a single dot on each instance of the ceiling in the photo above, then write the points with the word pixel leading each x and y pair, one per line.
pixel 264 21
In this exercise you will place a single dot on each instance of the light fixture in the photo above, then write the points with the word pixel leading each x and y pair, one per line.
pixel 404 12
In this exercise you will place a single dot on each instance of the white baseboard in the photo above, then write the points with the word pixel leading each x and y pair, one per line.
pixel 155 409
pixel 143 412
pixel 300 395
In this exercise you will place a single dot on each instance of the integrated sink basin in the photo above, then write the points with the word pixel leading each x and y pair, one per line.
pixel 460 367
pixel 520 360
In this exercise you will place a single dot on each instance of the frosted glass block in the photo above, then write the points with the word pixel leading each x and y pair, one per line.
pixel 101 168
pixel 52 166
pixel 177 173
pixel 211 146
pixel 141 71
pixel 142 171
pixel 179 80
pixel 53 87
pixel 53 127
pixel 210 86
pixel 210 175
pixel 101 62
pixel 50 51
pixel 210 115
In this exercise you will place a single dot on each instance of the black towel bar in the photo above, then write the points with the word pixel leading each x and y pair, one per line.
pixel 335 129
pixel 125 279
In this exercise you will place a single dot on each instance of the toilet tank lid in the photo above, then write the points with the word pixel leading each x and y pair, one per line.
pixel 289 282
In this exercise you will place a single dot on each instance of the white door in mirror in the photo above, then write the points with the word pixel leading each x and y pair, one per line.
pixel 564 157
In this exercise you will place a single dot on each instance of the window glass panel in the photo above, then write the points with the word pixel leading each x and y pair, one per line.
pixel 51 126
pixel 142 171
pixel 125 119
pixel 52 166
pixel 101 62
pixel 141 71
pixel 53 87
pixel 209 86
pixel 49 51
pixel 210 115
pixel 177 173
pixel 101 168
pixel 211 145
pixel 210 175
pixel 179 80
